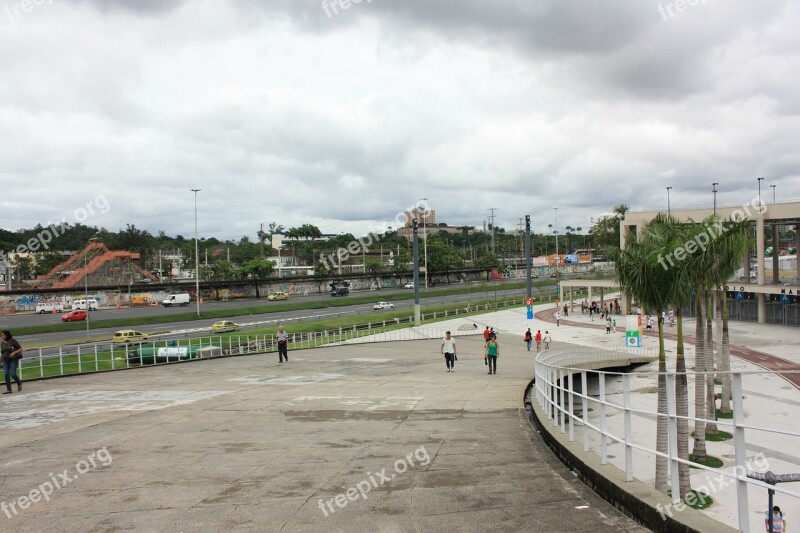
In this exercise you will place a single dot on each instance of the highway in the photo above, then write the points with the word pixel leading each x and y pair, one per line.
pixel 200 327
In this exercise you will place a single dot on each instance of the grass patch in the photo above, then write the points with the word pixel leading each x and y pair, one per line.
pixel 727 416
pixel 719 436
pixel 710 462
pixel 696 500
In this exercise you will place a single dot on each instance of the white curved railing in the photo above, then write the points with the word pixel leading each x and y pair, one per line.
pixel 597 421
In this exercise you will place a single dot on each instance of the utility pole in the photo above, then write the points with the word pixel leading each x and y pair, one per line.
pixel 196 256
pixel 528 265
pixel 415 227
pixel 556 210
pixel 494 247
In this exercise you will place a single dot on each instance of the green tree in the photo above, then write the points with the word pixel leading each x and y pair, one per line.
pixel 487 261
pixel 47 262
pixel 23 268
pixel 640 276
pixel 257 269
pixel 605 233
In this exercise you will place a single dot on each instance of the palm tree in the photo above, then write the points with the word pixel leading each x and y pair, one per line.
pixel 713 266
pixel 641 276
pixel 673 235
pixel 727 251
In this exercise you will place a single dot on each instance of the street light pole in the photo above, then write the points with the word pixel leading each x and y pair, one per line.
pixel 86 282
pixel 196 256
pixel 556 230
pixel 425 239
pixel 714 190
pixel 669 210
pixel 773 193
pixel 759 191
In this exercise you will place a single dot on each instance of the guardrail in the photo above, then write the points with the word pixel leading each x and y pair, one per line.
pixel 74 359
pixel 612 412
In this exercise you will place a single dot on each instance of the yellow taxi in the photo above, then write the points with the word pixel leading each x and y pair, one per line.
pixel 129 335
pixel 278 295
pixel 224 325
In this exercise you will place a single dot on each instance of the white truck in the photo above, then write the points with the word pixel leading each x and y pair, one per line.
pixel 82 304
pixel 49 306
pixel 177 299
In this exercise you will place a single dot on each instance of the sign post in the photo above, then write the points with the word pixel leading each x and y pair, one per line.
pixel 529 304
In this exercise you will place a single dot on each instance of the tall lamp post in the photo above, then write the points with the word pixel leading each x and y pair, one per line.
pixel 425 239
pixel 669 210
pixel 86 282
pixel 714 190
pixel 556 230
pixel 773 193
pixel 759 191
pixel 196 256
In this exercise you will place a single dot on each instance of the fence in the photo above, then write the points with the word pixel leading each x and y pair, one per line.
pixel 625 417
pixel 105 356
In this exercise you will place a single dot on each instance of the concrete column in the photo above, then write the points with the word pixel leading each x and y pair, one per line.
pixel 776 256
pixel 797 250
pixel 589 294
pixel 762 302
pixel 601 297
pixel 571 299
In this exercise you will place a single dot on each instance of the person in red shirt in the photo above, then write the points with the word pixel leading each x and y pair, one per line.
pixel 486 334
pixel 538 340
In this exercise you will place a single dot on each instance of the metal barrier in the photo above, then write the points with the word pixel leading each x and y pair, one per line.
pixel 74 359
pixel 595 417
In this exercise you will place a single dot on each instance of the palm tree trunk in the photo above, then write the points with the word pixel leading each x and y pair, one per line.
pixel 662 423
pixel 711 403
pixel 682 410
pixel 725 360
pixel 699 450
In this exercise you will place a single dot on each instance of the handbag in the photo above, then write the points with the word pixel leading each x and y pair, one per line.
pixel 455 357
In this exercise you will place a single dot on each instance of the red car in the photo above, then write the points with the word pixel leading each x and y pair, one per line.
pixel 77 314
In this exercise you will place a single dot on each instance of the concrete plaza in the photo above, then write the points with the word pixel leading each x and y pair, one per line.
pixel 246 444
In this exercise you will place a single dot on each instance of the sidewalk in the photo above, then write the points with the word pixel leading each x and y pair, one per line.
pixel 375 437
pixel 769 400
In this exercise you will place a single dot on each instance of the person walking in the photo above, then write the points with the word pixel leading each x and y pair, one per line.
pixel 608 325
pixel 558 319
pixel 614 325
pixel 778 522
pixel 529 338
pixel 486 334
pixel 10 354
pixel 671 317
pixel 449 351
pixel 283 345
pixel 566 310
pixel 547 340
pixel 492 353
pixel 649 323
pixel 538 340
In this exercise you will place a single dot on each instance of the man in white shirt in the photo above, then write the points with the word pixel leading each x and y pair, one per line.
pixel 449 351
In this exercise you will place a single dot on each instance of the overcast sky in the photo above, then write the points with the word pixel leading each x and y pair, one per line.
pixel 282 112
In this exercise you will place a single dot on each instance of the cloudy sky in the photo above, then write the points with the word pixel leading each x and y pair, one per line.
pixel 344 115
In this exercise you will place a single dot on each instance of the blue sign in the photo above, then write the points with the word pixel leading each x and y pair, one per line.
pixel 785 298
pixel 740 296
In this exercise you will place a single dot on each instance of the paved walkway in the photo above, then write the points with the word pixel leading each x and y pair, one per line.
pixel 745 332
pixel 245 444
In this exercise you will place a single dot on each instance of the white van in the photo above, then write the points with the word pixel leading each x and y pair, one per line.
pixel 81 304
pixel 49 306
pixel 177 299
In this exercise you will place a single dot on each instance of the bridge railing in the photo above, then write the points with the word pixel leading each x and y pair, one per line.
pixel 614 414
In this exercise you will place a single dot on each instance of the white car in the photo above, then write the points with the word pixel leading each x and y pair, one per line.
pixel 409 285
pixel 382 305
